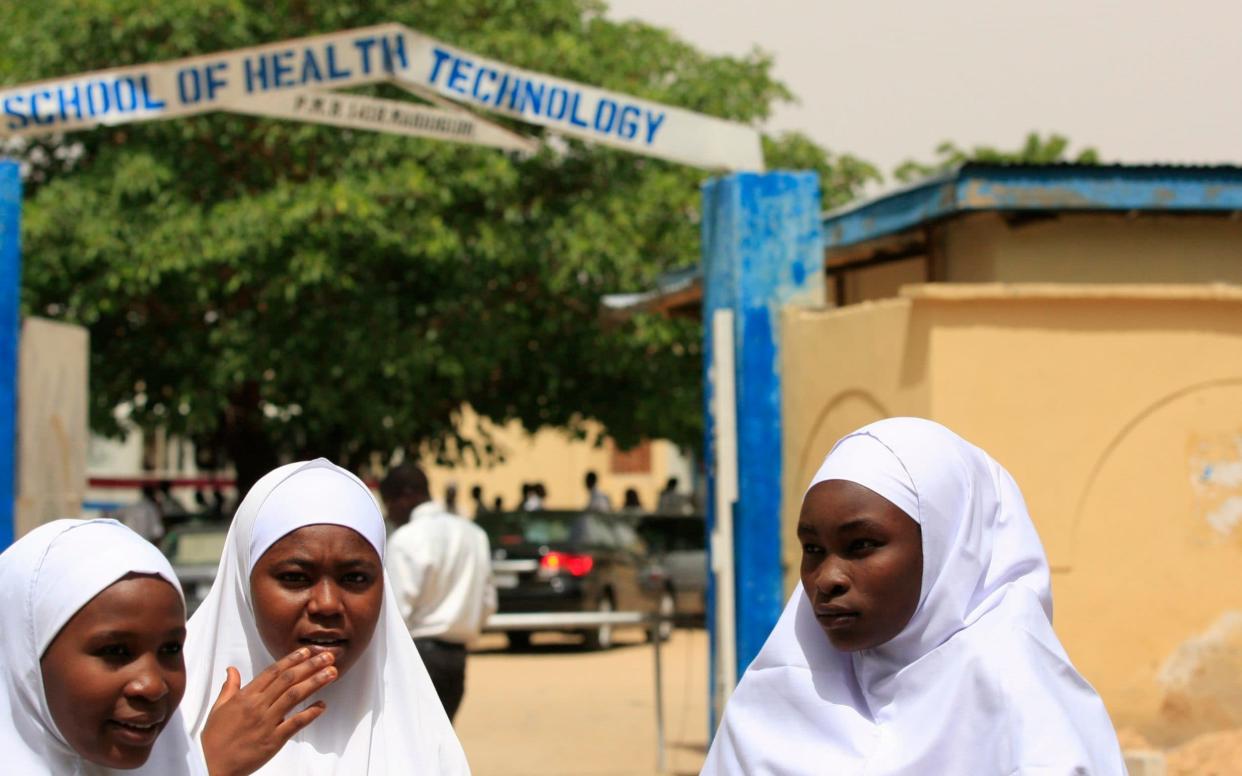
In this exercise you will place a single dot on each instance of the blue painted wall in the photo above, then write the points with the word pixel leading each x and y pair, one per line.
pixel 762 249
pixel 10 289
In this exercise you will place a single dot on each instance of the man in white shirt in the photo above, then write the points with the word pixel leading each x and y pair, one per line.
pixel 440 568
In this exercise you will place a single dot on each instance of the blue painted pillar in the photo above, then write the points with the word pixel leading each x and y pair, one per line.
pixel 10 290
pixel 762 246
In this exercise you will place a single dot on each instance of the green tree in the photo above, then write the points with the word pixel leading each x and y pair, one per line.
pixel 1036 150
pixel 272 288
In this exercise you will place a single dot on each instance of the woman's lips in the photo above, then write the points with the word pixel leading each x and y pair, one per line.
pixel 337 645
pixel 135 733
pixel 837 619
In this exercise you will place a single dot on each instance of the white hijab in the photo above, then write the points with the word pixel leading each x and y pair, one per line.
pixel 45 578
pixel 976 683
pixel 384 717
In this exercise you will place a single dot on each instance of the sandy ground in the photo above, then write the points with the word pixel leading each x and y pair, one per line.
pixel 556 709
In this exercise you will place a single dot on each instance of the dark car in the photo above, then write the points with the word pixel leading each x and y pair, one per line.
pixel 548 562
pixel 679 544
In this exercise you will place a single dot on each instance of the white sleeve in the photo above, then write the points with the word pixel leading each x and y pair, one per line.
pixel 406 572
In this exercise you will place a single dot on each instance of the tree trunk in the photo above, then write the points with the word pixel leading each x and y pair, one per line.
pixel 244 439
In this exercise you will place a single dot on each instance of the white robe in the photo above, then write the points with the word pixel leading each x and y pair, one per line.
pixel 975 684
pixel 383 716
pixel 45 578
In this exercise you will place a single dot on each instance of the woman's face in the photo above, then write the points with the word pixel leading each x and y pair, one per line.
pixel 862 564
pixel 114 674
pixel 320 587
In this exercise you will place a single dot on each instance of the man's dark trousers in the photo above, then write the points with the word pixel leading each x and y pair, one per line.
pixel 446 662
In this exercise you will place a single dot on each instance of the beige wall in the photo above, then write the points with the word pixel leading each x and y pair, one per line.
pixel 1118 409
pixel 52 422
pixel 561 462
pixel 1093 248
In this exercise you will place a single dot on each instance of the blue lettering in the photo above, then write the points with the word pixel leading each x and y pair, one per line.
pixel 478 81
pixel 280 69
pixel 532 93
pixel 149 102
pixel 364 50
pixel 42 94
pixel 394 49
pixel 513 95
pixel 602 124
pixel 105 98
pixel 256 73
pixel 459 73
pixel 627 127
pixel 573 111
pixel 70 97
pixel 440 55
pixel 189 89
pixel 12 108
pixel 310 68
pixel 123 87
pixel 559 111
pixel 654 122
pixel 214 84
pixel 334 72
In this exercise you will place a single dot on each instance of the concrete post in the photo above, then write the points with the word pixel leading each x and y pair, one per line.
pixel 762 247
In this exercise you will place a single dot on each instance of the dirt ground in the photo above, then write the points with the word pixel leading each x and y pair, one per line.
pixel 557 710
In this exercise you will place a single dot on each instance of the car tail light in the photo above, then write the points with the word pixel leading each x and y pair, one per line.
pixel 575 565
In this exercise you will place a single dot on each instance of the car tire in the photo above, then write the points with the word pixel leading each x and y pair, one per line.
pixel 667 609
pixel 600 638
pixel 518 640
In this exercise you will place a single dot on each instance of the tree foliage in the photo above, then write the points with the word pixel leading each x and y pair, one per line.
pixel 1035 150
pixel 272 288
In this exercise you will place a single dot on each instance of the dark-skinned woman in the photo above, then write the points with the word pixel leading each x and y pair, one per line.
pixel 319 674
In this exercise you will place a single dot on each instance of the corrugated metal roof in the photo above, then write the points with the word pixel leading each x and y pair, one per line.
pixel 978 187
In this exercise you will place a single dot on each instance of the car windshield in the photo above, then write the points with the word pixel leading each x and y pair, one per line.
pixel 518 528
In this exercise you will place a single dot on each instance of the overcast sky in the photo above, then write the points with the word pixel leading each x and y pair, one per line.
pixel 1141 80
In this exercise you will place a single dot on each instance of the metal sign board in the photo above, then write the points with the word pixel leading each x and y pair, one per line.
pixel 285 79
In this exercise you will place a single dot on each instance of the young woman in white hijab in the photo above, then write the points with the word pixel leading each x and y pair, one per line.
pixel 920 640
pixel 303 571
pixel 92 622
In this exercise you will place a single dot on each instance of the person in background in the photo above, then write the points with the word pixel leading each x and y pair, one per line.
pixel 597 500
pixel 441 573
pixel 671 502
pixel 476 495
pixel 143 517
pixel 498 504
pixel 632 505
pixel 532 500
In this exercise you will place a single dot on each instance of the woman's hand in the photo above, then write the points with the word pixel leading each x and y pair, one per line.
pixel 247 725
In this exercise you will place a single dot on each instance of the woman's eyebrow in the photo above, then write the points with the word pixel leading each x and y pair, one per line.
pixel 112 635
pixel 860 524
pixel 354 563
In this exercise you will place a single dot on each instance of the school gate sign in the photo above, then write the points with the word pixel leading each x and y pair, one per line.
pixel 291 79
pixel 761 241
pixel 295 80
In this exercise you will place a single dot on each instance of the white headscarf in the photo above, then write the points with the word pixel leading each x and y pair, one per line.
pixel 383 716
pixel 976 683
pixel 45 578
